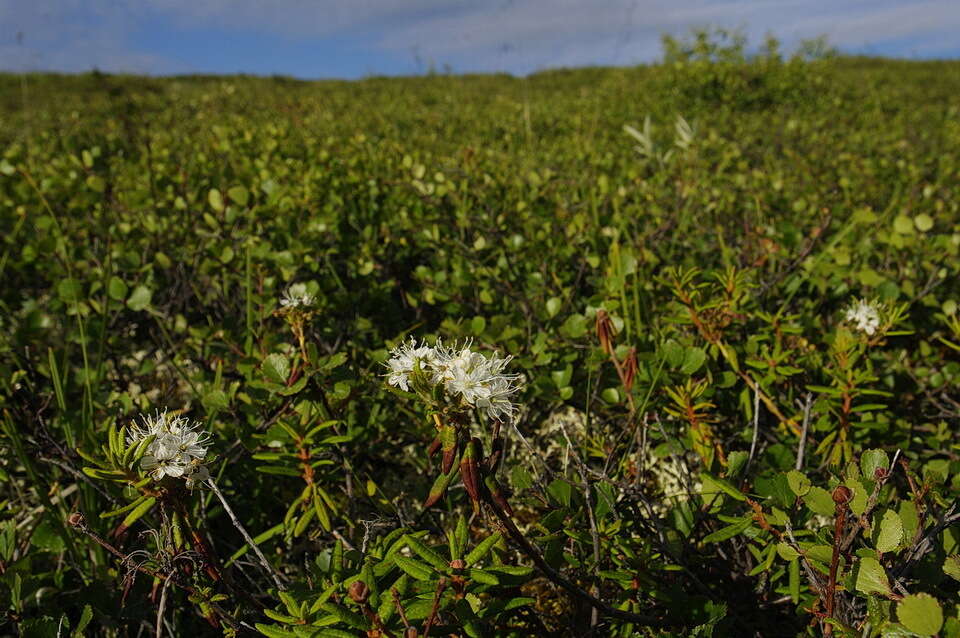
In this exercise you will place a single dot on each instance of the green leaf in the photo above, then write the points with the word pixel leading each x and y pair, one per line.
pixel 553 306
pixel 117 289
pixel 561 491
pixel 482 549
pixel 139 511
pixel 786 552
pixel 903 225
pixel 46 537
pixel 921 614
pixel 215 400
pixel 482 577
pixel 709 482
pixel 923 222
pixel 272 631
pixel 139 298
pixel 124 509
pixel 70 290
pixel 215 199
pixel 674 353
pixel 951 566
pixel 858 504
pixel 728 532
pixel 799 482
pixel 692 360
pixel 415 568
pixel 870 460
pixel 871 577
pixel 85 617
pixel 239 195
pixel 426 553
pixel 736 461
pixel 276 368
pixel 890 534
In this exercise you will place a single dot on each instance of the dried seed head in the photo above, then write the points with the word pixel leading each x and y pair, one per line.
pixel 359 592
pixel 605 331
pixel 630 369
pixel 457 563
pixel 842 495
pixel 410 632
pixel 75 519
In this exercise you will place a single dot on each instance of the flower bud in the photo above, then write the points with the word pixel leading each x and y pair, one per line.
pixel 358 592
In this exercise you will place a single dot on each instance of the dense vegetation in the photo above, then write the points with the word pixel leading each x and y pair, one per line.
pixel 710 446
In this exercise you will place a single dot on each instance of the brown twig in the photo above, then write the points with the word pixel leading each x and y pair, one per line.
pixel 841 497
pixel 78 522
pixel 441 586
pixel 534 555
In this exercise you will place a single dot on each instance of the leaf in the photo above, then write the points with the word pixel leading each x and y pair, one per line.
pixel 276 368
pixel 215 400
pixel 482 549
pixel 921 614
pixel 482 577
pixel 858 504
pixel 871 577
pixel 736 461
pixel 117 289
pixel 140 298
pixel 561 491
pixel 85 617
pixel 70 290
pixel 415 568
pixel 891 532
pixel 798 482
pixel 553 306
pixel 786 552
pixel 692 360
pixel 239 195
pixel 139 511
pixel 870 460
pixel 923 222
pixel 215 200
pixel 124 509
pixel 272 631
pixel 951 566
pixel 819 501
pixel 728 532
pixel 426 553
pixel 723 485
pixel 47 538
pixel 674 353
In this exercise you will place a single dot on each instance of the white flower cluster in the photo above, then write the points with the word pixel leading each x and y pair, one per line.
pixel 478 380
pixel 296 296
pixel 177 449
pixel 864 316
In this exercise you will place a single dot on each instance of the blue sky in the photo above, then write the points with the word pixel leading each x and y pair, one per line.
pixel 357 38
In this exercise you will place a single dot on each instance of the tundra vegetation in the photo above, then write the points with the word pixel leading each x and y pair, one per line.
pixel 667 350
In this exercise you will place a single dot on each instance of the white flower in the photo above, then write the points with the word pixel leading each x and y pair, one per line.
pixel 177 448
pixel 296 296
pixel 404 359
pixel 865 316
pixel 476 380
